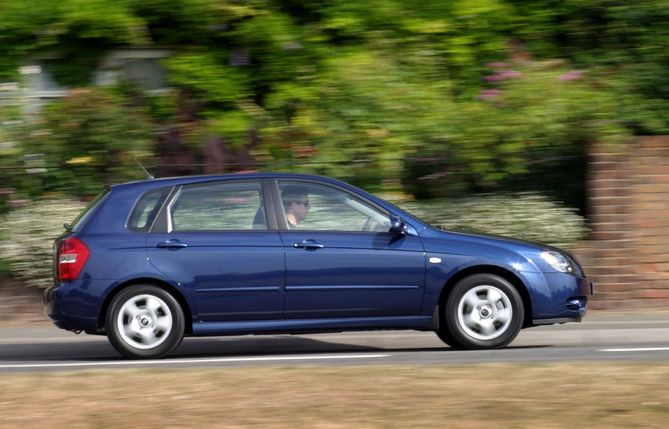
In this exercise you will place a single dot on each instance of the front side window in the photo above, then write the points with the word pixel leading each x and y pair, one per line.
pixel 219 207
pixel 309 206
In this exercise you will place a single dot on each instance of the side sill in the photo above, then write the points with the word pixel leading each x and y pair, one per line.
pixel 296 326
pixel 554 321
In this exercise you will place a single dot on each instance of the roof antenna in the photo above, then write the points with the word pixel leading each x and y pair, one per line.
pixel 148 175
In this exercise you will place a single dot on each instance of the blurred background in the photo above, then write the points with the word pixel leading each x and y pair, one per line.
pixel 513 117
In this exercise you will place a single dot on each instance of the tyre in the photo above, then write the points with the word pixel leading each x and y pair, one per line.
pixel 445 335
pixel 484 311
pixel 144 321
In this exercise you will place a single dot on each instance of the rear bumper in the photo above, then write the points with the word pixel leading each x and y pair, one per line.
pixel 67 313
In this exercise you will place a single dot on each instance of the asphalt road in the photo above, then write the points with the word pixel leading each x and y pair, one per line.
pixel 603 336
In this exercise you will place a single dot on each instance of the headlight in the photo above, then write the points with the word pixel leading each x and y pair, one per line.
pixel 557 261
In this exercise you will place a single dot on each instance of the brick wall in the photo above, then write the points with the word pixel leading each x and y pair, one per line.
pixel 628 202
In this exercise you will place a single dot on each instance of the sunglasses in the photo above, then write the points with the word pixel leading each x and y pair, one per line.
pixel 304 203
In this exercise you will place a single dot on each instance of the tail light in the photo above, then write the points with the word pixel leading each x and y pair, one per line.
pixel 72 255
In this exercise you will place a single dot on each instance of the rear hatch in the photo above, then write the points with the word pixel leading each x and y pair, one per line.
pixel 70 252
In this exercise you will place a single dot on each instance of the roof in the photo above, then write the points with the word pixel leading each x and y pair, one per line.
pixel 182 180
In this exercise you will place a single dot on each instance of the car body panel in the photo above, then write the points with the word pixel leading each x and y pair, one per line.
pixel 228 275
pixel 354 274
pixel 548 292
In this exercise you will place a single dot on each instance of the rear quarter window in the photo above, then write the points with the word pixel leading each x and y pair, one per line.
pixel 146 209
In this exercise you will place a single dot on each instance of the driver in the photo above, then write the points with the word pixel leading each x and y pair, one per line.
pixel 296 204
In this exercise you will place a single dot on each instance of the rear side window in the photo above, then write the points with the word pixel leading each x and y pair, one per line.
pixel 219 207
pixel 80 221
pixel 146 210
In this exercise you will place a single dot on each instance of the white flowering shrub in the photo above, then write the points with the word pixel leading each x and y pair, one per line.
pixel 528 216
pixel 27 234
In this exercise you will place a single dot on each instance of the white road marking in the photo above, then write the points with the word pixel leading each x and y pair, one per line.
pixel 176 361
pixel 646 349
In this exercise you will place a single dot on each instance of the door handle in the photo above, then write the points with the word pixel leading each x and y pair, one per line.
pixel 172 244
pixel 308 244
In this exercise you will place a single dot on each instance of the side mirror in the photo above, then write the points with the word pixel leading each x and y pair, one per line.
pixel 397 225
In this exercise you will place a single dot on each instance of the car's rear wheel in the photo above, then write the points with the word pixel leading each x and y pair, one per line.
pixel 484 311
pixel 144 321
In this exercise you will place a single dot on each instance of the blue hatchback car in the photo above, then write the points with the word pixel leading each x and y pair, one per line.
pixel 150 262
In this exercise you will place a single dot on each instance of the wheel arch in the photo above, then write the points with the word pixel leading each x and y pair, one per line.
pixel 507 275
pixel 176 293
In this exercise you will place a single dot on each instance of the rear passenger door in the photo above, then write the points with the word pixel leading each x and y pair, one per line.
pixel 219 245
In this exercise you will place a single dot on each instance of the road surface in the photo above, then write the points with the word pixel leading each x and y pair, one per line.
pixel 603 336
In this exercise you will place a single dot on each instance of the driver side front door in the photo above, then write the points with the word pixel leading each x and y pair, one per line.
pixel 336 268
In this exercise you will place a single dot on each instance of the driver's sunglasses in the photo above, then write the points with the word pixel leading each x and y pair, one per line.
pixel 304 203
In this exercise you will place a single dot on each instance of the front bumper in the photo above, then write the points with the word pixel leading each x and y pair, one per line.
pixel 565 299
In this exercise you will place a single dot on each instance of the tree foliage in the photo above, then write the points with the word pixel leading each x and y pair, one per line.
pixel 452 96
pixel 86 140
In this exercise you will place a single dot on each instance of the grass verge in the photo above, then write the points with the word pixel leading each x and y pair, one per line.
pixel 472 396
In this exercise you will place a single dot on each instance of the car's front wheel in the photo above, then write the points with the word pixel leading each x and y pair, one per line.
pixel 144 321
pixel 483 311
